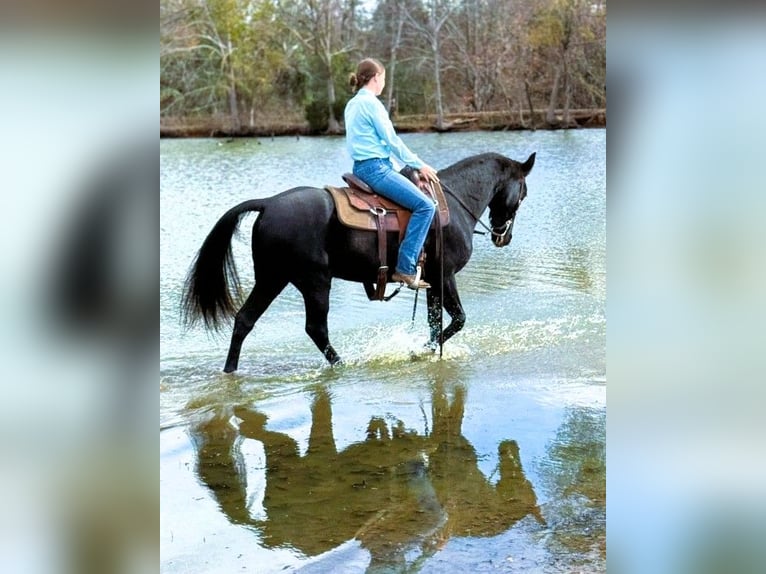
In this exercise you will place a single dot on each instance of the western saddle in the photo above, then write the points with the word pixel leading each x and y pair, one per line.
pixel 359 207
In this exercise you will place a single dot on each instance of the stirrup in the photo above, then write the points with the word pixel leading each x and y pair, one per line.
pixel 412 281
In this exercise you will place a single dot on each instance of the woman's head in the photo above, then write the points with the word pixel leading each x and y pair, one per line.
pixel 369 71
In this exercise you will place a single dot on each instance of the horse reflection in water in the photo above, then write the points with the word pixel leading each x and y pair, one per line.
pixel 395 492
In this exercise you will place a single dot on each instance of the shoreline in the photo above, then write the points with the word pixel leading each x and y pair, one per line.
pixel 454 122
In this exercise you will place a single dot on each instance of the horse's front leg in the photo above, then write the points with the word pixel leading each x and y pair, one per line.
pixel 316 298
pixel 434 304
pixel 451 304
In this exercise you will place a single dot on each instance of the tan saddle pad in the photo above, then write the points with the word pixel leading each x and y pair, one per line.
pixel 358 208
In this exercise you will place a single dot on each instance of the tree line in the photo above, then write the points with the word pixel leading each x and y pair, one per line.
pixel 248 63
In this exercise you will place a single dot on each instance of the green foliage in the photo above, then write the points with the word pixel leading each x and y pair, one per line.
pixel 547 27
pixel 339 107
pixel 317 115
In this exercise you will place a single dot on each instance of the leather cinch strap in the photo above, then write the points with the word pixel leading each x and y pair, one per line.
pixel 380 220
pixel 380 224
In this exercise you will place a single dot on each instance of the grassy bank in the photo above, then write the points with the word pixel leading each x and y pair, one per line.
pixel 221 126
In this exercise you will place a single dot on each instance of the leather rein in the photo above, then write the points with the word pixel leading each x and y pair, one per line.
pixel 505 227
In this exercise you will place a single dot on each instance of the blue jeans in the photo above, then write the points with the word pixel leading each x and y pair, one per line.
pixel 380 175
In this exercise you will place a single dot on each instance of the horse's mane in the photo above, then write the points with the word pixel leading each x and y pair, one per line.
pixel 474 161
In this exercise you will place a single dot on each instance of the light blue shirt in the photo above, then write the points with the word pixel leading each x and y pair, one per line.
pixel 370 133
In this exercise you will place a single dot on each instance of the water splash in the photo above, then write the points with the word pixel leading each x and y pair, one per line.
pixel 388 345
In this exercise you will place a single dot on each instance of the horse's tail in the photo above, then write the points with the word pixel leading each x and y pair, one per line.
pixel 211 291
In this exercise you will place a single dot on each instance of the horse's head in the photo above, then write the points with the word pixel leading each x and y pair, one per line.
pixel 506 201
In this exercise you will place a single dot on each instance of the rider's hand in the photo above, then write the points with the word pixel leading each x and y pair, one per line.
pixel 429 173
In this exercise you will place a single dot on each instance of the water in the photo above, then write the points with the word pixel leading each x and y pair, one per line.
pixel 491 459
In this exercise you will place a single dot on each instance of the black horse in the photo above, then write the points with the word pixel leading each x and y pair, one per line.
pixel 298 239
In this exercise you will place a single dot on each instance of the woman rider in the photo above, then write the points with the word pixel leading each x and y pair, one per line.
pixel 372 141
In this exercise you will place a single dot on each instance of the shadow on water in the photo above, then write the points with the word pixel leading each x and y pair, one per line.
pixel 402 494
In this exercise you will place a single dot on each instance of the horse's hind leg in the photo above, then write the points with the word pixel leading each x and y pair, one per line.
pixel 316 297
pixel 257 302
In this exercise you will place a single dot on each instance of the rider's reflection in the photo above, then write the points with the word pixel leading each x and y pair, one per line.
pixel 395 491
pixel 473 505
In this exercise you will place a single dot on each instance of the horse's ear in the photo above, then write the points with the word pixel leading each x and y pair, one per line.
pixel 527 166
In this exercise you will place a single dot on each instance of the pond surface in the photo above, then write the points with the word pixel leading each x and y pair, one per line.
pixel 491 459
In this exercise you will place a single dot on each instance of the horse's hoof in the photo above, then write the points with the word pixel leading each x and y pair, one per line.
pixel 431 346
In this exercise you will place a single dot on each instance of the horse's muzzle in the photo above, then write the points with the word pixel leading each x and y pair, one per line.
pixel 502 240
pixel 501 236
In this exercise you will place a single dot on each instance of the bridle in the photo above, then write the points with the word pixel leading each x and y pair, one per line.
pixel 506 227
pixel 491 230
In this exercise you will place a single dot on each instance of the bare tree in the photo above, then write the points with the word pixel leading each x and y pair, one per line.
pixel 438 14
pixel 212 26
pixel 397 25
pixel 320 29
pixel 230 44
pixel 567 27
pixel 482 33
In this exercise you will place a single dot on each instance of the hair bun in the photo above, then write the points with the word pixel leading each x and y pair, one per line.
pixel 352 80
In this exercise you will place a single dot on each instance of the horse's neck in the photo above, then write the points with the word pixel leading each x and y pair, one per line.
pixel 475 198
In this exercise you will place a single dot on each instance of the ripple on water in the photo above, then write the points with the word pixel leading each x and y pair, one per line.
pixel 500 337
